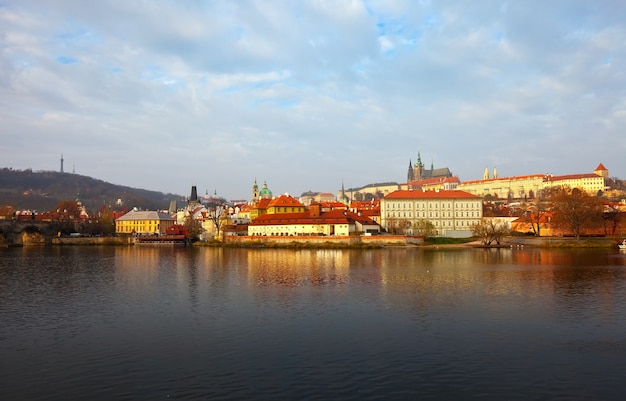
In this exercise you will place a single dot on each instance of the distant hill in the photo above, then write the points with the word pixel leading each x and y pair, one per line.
pixel 43 190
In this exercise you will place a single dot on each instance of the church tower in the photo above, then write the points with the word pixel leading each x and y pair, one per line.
pixel 255 192
pixel 486 174
pixel 344 199
pixel 419 168
pixel 410 176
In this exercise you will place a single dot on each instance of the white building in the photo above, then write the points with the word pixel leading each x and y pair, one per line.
pixel 452 213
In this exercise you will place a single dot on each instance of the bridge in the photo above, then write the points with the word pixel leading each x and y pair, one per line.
pixel 14 232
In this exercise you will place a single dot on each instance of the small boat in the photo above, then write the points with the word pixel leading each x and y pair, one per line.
pixel 622 246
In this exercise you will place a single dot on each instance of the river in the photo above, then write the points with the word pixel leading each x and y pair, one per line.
pixel 143 323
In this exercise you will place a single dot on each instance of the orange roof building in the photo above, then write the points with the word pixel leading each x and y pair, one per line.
pixel 452 213
pixel 312 222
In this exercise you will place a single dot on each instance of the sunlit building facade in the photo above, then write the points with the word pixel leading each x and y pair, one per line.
pixel 452 213
pixel 144 222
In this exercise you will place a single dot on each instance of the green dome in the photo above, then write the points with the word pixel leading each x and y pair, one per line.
pixel 265 192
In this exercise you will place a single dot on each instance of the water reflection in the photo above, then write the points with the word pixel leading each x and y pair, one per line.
pixel 148 323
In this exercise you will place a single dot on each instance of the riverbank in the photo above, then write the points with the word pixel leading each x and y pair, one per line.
pixel 337 242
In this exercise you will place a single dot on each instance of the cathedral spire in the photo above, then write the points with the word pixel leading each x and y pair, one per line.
pixel 419 163
pixel 344 198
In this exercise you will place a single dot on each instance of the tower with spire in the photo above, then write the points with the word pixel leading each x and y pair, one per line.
pixel 193 198
pixel 255 192
pixel 418 173
pixel 344 199
pixel 419 167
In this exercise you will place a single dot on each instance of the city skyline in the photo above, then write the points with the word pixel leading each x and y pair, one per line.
pixel 310 95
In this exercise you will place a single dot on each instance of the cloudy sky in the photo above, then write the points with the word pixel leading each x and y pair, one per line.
pixel 164 95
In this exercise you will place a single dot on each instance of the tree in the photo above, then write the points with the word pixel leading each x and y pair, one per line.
pixel 611 217
pixel 398 226
pixel 575 211
pixel 218 214
pixel 536 216
pixel 193 227
pixel 106 221
pixel 358 196
pixel 490 230
pixel 68 208
pixel 424 228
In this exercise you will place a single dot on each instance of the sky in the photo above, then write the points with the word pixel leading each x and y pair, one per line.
pixel 310 95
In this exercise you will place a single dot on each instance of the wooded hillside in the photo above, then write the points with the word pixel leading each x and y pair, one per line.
pixel 43 190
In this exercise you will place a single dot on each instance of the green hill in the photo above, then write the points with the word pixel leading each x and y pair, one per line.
pixel 43 190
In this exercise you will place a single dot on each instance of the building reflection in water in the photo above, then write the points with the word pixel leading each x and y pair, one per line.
pixel 297 267
pixel 511 279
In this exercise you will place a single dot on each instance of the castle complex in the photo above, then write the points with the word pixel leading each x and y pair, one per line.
pixel 531 186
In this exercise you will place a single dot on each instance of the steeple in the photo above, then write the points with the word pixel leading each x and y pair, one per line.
pixel 344 198
pixel 495 173
pixel 419 168
pixel 255 191
pixel 419 163
pixel 486 174
pixel 410 176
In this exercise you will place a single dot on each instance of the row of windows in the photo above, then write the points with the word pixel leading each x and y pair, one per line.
pixel 433 205
pixel 137 226
pixel 455 223
pixel 410 215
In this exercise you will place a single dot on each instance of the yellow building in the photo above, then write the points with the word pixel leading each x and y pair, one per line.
pixel 506 187
pixel 530 186
pixel 143 222
pixel 285 204
pixel 452 213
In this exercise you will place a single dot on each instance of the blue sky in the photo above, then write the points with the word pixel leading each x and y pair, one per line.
pixel 164 95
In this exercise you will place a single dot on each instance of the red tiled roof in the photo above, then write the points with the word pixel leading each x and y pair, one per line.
pixel 365 205
pixel 331 217
pixel 263 203
pixel 570 177
pixel 442 194
pixel 601 167
pixel 518 177
pixel 285 201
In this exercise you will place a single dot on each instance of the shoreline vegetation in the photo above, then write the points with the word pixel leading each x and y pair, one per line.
pixel 429 243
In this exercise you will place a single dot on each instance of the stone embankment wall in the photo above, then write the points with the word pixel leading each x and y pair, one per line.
pixel 374 240
pixel 92 241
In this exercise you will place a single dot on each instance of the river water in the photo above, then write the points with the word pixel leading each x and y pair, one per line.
pixel 143 323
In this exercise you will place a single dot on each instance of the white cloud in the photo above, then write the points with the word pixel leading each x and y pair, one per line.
pixel 306 94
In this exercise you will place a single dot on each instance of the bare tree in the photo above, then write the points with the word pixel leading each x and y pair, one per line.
pixel 536 214
pixel 424 228
pixel 576 211
pixel 193 228
pixel 612 218
pixel 218 214
pixel 398 226
pixel 490 230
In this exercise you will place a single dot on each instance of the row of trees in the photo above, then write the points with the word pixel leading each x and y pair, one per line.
pixel 564 210
pixel 572 211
